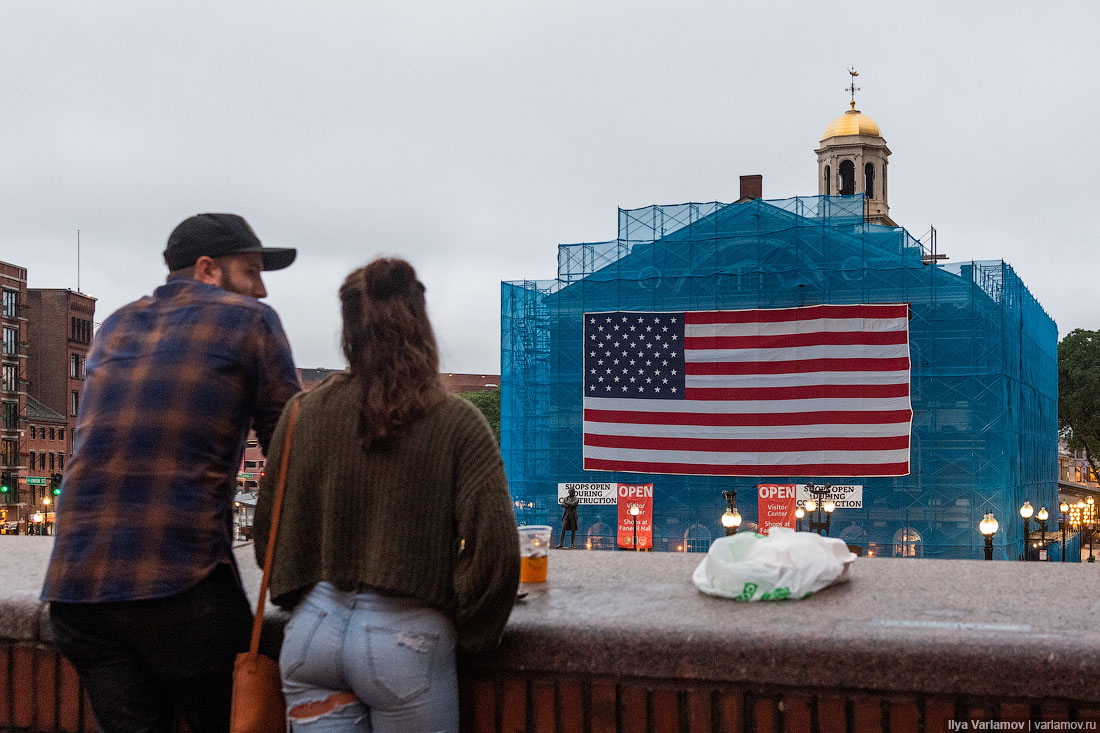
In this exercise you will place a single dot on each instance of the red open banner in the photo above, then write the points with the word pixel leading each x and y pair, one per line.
pixel 777 505
pixel 640 495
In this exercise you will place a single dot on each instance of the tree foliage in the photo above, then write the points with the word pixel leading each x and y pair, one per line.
pixel 1079 393
pixel 488 401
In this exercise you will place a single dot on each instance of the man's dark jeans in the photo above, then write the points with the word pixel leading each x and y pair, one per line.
pixel 141 661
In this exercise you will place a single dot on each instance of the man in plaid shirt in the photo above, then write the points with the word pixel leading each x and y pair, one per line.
pixel 146 600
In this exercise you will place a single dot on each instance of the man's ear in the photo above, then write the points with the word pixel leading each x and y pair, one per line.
pixel 207 270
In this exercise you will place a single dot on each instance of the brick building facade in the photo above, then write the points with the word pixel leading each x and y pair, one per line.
pixel 46 336
pixel 47 439
pixel 13 382
pixel 61 323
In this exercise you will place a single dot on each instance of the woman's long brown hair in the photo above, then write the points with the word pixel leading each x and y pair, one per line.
pixel 390 347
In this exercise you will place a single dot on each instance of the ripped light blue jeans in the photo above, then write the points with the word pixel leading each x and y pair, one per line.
pixel 395 654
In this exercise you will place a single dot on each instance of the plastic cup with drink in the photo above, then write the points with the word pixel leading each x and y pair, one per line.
pixel 534 552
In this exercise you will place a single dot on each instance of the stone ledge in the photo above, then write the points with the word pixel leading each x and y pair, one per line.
pixel 917 627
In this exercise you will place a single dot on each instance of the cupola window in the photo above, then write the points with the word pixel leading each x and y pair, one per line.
pixel 869 180
pixel 847 175
pixel 828 181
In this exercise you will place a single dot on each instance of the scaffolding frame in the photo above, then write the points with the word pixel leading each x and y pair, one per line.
pixel 983 351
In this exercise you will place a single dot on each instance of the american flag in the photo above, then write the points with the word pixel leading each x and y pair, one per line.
pixel 814 391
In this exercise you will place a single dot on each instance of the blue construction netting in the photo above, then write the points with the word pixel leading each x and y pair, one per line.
pixel 983 351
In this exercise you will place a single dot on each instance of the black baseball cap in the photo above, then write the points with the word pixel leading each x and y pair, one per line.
pixel 217 235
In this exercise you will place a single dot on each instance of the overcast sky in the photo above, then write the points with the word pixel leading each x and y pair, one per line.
pixel 472 137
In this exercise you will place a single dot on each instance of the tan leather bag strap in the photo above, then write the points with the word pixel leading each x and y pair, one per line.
pixel 276 513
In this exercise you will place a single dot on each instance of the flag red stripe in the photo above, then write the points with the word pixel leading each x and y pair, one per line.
pixel 797 366
pixel 838 417
pixel 820 338
pixel 812 391
pixel 802 469
pixel 776 315
pixel 733 445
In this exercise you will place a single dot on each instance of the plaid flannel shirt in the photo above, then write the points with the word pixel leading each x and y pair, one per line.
pixel 173 383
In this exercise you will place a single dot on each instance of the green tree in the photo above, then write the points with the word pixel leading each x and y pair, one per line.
pixel 1079 393
pixel 488 401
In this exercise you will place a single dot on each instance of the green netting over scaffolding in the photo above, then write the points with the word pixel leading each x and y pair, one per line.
pixel 983 376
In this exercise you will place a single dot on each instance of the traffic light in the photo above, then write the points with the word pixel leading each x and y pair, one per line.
pixel 55 483
pixel 5 485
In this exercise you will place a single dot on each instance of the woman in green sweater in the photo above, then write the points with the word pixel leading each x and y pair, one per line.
pixel 397 539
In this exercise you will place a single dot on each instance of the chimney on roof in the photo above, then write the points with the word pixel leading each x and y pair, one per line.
pixel 752 187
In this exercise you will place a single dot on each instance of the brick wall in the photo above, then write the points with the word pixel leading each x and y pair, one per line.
pixel 40 693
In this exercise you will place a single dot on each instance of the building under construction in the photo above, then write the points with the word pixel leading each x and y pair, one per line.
pixel 982 352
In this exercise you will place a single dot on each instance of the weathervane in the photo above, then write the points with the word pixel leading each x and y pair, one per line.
pixel 853 88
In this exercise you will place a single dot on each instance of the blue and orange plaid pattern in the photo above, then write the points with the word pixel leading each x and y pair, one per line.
pixel 173 383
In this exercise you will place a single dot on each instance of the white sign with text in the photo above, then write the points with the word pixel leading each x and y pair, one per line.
pixel 591 494
pixel 846 496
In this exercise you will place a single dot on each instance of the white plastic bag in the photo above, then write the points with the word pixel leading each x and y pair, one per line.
pixel 783 564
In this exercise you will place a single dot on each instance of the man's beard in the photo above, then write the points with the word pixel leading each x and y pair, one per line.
pixel 225 283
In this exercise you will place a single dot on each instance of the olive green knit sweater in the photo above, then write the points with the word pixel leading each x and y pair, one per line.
pixel 429 516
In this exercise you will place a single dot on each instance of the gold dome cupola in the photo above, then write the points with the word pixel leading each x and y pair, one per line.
pixel 852 122
pixel 852 159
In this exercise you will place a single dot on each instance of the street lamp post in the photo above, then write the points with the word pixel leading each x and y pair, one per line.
pixel 634 509
pixel 1042 516
pixel 820 502
pixel 731 519
pixel 1090 514
pixel 988 527
pixel 1026 511
pixel 1063 523
pixel 1079 522
pixel 46 510
pixel 799 512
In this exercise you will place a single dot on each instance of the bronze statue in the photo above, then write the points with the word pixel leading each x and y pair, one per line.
pixel 569 518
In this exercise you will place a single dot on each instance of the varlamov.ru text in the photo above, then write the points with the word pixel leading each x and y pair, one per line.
pixel 1019 725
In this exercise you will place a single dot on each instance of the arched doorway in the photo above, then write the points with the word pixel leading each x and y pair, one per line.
pixel 599 536
pixel 697 538
pixel 907 543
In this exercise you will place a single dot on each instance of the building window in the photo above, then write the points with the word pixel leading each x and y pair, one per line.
pixel 11 414
pixel 9 453
pixel 11 303
pixel 60 461
pixel 82 330
pixel 8 381
pixel 61 433
pixel 869 180
pixel 847 175
pixel 34 432
pixel 75 402
pixel 74 366
pixel 907 543
pixel 828 180
pixel 52 459
pixel 11 340
pixel 53 433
